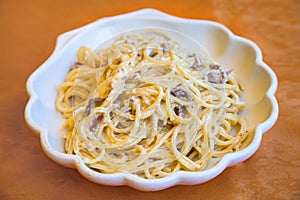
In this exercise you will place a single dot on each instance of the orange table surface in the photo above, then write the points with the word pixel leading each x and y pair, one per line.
pixel 28 35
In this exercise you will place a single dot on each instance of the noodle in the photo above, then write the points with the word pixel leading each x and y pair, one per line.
pixel 147 106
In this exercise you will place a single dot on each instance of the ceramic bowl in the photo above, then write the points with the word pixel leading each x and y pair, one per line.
pixel 219 42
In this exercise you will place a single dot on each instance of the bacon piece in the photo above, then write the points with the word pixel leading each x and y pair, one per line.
pixel 153 53
pixel 71 100
pixel 217 74
pixel 229 72
pixel 180 93
pixel 91 105
pixel 126 78
pixel 76 65
pixel 214 77
pixel 214 66
pixel 96 121
pixel 197 65
pixel 166 47
pixel 179 111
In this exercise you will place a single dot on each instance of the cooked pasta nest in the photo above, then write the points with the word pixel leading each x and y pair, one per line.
pixel 147 106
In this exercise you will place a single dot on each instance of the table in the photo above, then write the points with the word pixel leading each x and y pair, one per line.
pixel 28 35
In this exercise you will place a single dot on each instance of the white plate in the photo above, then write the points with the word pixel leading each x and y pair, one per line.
pixel 224 47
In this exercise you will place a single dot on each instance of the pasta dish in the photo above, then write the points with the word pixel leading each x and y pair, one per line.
pixel 147 106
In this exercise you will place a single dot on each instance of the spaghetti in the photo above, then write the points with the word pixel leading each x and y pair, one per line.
pixel 147 106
